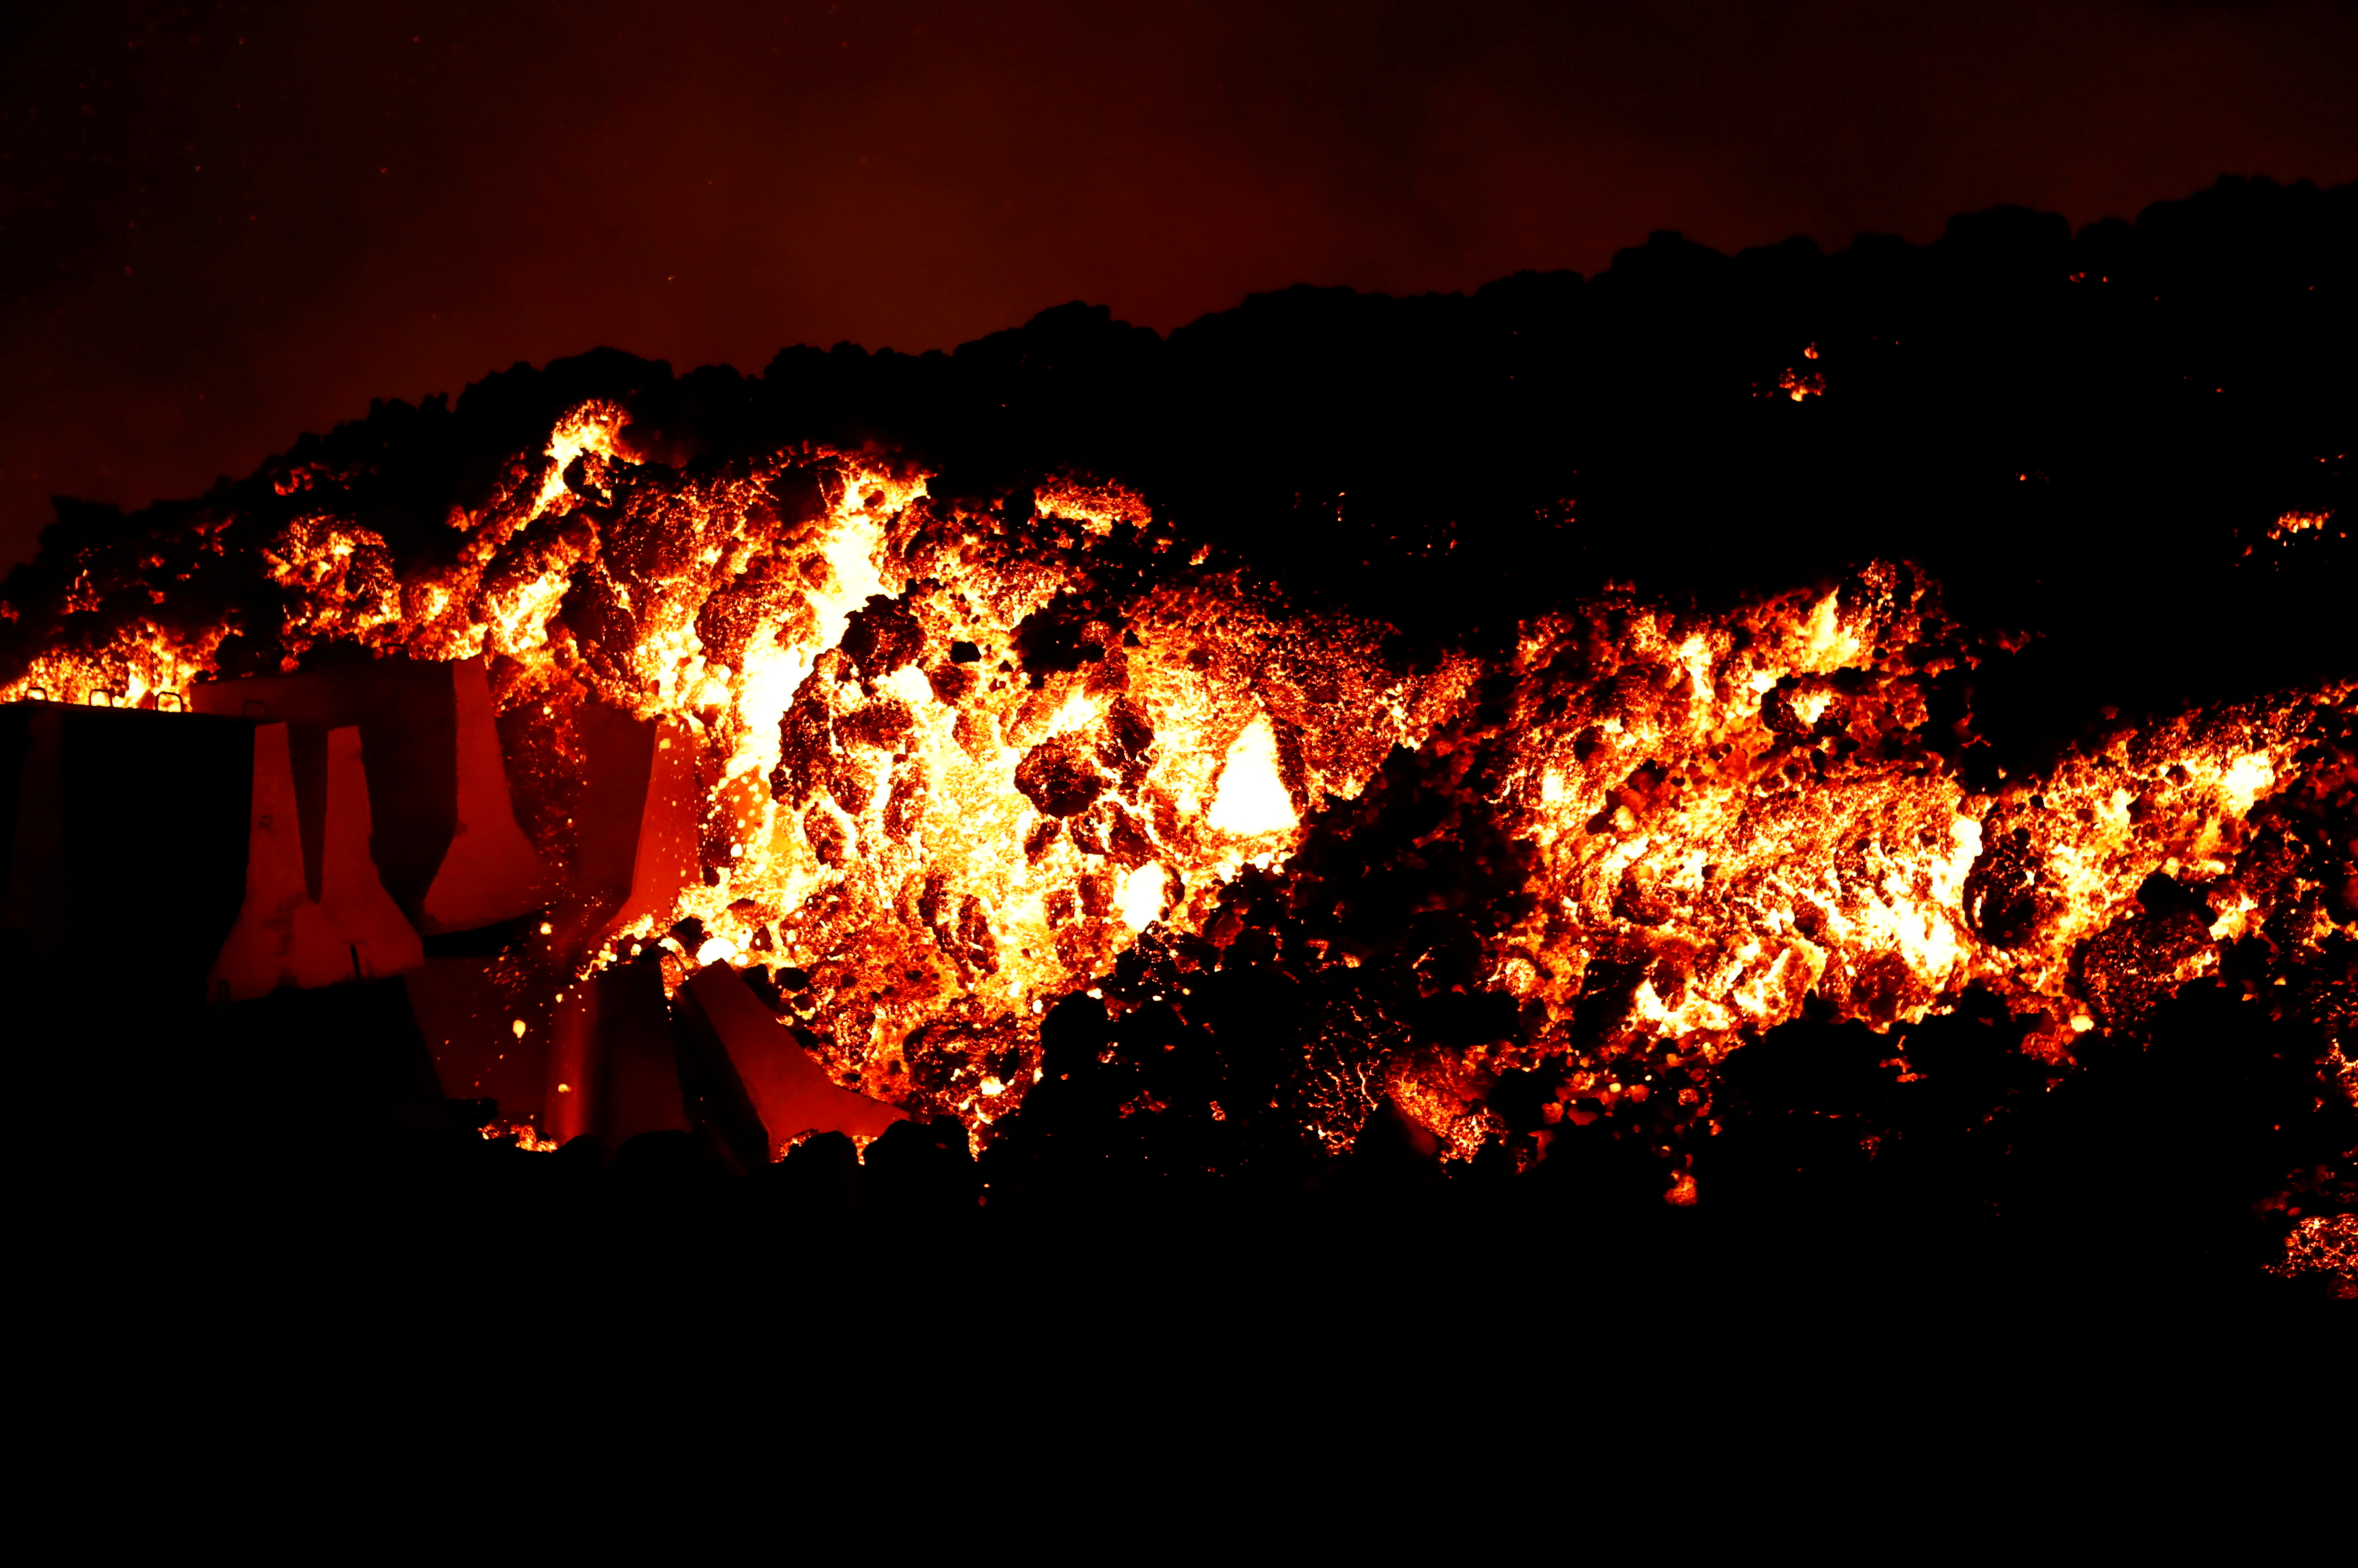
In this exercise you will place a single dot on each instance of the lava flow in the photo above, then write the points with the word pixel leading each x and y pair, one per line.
pixel 1864 734
pixel 938 763
pixel 926 767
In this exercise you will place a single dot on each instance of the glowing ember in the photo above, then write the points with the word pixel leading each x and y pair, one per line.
pixel 2323 1244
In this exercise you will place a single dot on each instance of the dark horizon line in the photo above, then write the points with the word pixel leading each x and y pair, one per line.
pixel 1655 240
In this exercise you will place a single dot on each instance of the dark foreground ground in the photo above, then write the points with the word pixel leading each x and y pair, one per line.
pixel 518 1325
pixel 538 1307
pixel 2128 1203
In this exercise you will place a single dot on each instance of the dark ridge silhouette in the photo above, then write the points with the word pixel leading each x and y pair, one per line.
pixel 2079 436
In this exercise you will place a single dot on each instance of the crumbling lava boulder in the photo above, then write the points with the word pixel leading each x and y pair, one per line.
pixel 2129 966
pixel 1060 777
pixel 2007 897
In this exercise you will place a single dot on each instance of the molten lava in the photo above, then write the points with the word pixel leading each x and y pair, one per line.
pixel 929 766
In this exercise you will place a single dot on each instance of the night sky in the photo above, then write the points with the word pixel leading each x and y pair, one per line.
pixel 225 224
